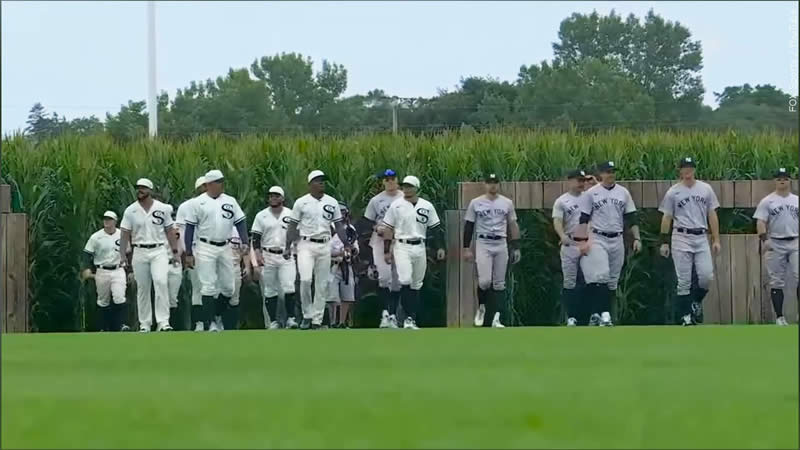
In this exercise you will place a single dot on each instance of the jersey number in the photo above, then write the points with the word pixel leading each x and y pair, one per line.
pixel 158 218
pixel 227 211
pixel 327 212
pixel 422 215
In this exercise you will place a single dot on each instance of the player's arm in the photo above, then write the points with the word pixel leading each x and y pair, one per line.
pixel 87 260
pixel 631 220
pixel 469 230
pixel 713 224
pixel 124 241
pixel 585 208
pixel 240 222
pixel 292 234
pixel 367 223
pixel 558 221
pixel 388 223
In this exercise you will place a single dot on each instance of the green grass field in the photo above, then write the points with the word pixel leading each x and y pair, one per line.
pixel 634 387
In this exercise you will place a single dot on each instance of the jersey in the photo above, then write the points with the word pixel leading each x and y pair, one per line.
pixel 607 207
pixel 104 247
pixel 780 214
pixel 377 206
pixel 567 208
pixel 215 218
pixel 147 227
pixel 184 211
pixel 314 217
pixel 411 221
pixel 491 216
pixel 689 206
pixel 272 229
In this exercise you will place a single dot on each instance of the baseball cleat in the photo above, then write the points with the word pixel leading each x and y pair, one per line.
pixel 384 321
pixel 496 321
pixel 165 327
pixel 213 327
pixel 605 320
pixel 781 321
pixel 305 324
pixel 315 326
pixel 198 326
pixel 218 319
pixel 144 329
pixel 125 328
pixel 410 324
pixel 697 312
pixel 274 325
pixel 688 320
pixel 572 322
pixel 594 320
pixel 393 321
pixel 291 323
pixel 479 315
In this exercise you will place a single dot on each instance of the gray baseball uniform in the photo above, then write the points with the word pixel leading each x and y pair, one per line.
pixel 376 209
pixel 607 208
pixel 491 218
pixel 780 214
pixel 689 208
pixel 567 208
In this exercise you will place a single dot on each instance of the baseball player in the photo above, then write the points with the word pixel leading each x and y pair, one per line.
pixel 492 217
pixel 180 219
pixel 776 217
pixel 269 239
pixel 409 221
pixel 213 216
pixel 175 273
pixel 388 285
pixel 610 208
pixel 566 215
pixel 241 270
pixel 145 224
pixel 342 281
pixel 310 221
pixel 690 211
pixel 102 264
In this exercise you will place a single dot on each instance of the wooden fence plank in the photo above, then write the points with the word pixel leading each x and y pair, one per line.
pixel 467 277
pixel 509 189
pixel 16 268
pixel 717 188
pixel 726 200
pixel 711 307
pixel 5 198
pixel 767 312
pixel 753 278
pixel 551 190
pixel 742 193
pixel 759 190
pixel 635 187
pixel 537 194
pixel 722 281
pixel 649 194
pixel 795 186
pixel 452 219
pixel 739 278
pixel 662 187
pixel 523 200
pixel 469 191
pixel 790 307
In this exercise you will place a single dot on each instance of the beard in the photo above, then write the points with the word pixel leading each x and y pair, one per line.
pixel 142 195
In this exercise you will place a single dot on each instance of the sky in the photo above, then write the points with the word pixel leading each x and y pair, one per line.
pixel 89 58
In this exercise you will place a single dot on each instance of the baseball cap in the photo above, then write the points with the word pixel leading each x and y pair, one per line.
pixel 315 174
pixel 606 166
pixel 199 182
pixel 492 178
pixel 577 173
pixel 686 162
pixel 110 215
pixel 144 182
pixel 213 175
pixel 781 173
pixel 411 180
pixel 388 173
pixel 276 190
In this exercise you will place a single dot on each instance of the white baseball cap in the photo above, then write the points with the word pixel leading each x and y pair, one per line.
pixel 213 175
pixel 315 174
pixel 144 182
pixel 412 180
pixel 110 215
pixel 276 190
pixel 199 182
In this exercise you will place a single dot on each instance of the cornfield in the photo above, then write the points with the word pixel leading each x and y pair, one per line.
pixel 67 183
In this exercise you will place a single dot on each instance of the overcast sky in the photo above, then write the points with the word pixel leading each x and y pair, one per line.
pixel 84 58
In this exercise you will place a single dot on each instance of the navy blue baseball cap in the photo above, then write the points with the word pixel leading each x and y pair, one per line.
pixel 492 178
pixel 388 173
pixel 687 162
pixel 606 166
pixel 577 173
pixel 781 173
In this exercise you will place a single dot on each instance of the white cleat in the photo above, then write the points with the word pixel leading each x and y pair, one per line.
pixel 496 321
pixel 144 329
pixel 291 323
pixel 409 324
pixel 218 319
pixel 198 326
pixel 384 320
pixel 165 327
pixel 687 320
pixel 393 322
pixel 479 315
pixel 572 322
pixel 274 325
pixel 213 327
pixel 605 320
pixel 594 320
pixel 781 321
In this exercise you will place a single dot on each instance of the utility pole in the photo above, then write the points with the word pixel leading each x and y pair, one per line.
pixel 394 116
pixel 152 100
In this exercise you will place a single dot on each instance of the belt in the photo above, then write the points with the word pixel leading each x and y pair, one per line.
pixel 114 267
pixel 694 231
pixel 579 239
pixel 214 243
pixel 491 237
pixel 790 238
pixel 603 233
pixel 411 241
pixel 147 245
pixel 276 251
pixel 316 240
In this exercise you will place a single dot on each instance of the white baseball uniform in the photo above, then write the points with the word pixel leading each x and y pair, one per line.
pixel 780 214
pixel 184 211
pixel 277 271
pixel 314 218
pixel 338 290
pixel 236 261
pixel 175 274
pixel 410 223
pixel 110 276
pixel 214 219
pixel 150 262
pixel 567 208
pixel 491 218
pixel 376 210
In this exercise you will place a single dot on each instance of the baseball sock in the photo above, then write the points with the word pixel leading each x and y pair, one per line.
pixel 394 300
pixel 230 320
pixel 208 309
pixel 289 302
pixel 272 308
pixel 406 296
pixel 121 316
pixel 568 302
pixel 173 317
pixel 482 294
pixel 498 299
pixel 601 297
pixel 105 318
pixel 490 303
pixel 777 301
pixel 221 305
pixel 700 294
pixel 684 305
pixel 414 294
pixel 197 314
pixel 385 297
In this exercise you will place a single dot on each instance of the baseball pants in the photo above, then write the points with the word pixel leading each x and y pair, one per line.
pixel 174 279
pixel 110 284
pixel 277 273
pixel 150 267
pixel 570 259
pixel 781 256
pixel 491 259
pixel 603 263
pixel 387 273
pixel 692 251
pixel 236 262
pixel 214 267
pixel 338 291
pixel 197 297
pixel 313 264
pixel 411 262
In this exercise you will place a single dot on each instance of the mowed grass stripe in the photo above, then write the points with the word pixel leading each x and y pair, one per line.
pixel 702 387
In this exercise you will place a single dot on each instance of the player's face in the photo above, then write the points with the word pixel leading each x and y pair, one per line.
pixel 142 192
pixel 782 183
pixel 687 173
pixel 575 184
pixel 409 190
pixel 215 187
pixel 317 185
pixel 109 223
pixel 390 183
pixel 492 188
pixel 609 177
pixel 275 200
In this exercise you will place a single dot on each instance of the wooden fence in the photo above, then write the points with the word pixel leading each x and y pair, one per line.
pixel 14 305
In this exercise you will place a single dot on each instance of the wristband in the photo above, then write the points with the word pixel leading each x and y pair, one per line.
pixel 762 237
pixel 665 238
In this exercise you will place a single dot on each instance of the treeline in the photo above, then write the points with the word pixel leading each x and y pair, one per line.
pixel 606 72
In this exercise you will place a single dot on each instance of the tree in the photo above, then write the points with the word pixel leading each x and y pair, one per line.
pixel 42 125
pixel 765 94
pixel 130 122
pixel 747 108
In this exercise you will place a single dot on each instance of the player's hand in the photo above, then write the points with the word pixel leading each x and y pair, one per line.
pixel 716 247
pixel 664 250
pixel 129 278
pixel 565 240
pixel 637 246
pixel 287 254
pixel 516 256
pixel 584 247
pixel 387 257
pixel 440 254
pixel 259 259
pixel 86 274
pixel 467 255
pixel 766 246
pixel 189 262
